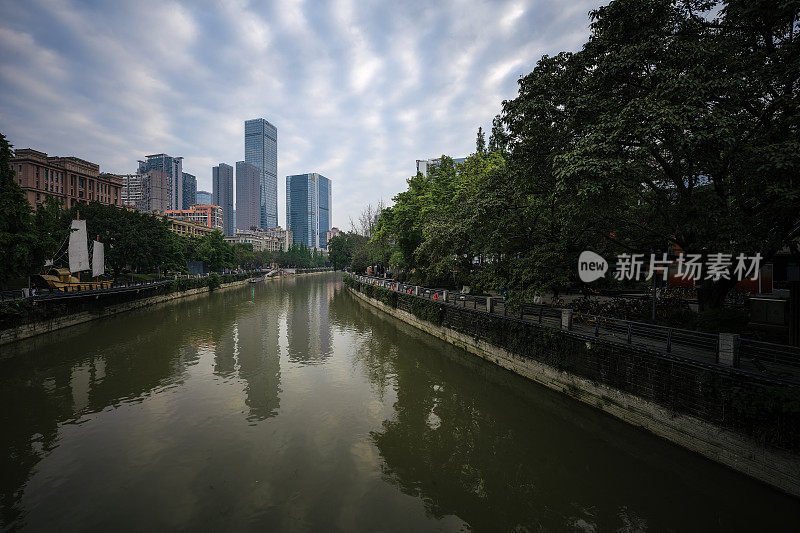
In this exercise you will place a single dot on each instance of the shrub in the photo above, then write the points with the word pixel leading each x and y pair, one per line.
pixel 214 281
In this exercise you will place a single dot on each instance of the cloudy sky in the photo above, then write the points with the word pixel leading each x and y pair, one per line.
pixel 357 89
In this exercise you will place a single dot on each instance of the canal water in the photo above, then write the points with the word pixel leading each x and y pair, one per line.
pixel 290 406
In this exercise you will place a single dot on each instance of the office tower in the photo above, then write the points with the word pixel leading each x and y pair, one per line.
pixel 173 166
pixel 308 208
pixel 222 187
pixel 204 198
pixel 189 190
pixel 248 196
pixel 261 150
pixel 324 205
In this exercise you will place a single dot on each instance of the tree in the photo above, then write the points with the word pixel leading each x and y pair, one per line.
pixel 498 139
pixel 342 247
pixel 480 143
pixel 17 238
pixel 367 220
pixel 675 125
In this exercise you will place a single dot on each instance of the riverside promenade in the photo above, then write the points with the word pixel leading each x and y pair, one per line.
pixel 777 363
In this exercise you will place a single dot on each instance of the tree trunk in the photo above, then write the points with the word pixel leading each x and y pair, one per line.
pixel 711 294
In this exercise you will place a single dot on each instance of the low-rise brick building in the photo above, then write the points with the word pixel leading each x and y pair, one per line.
pixel 69 179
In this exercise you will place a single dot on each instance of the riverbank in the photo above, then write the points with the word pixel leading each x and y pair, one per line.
pixel 701 408
pixel 97 310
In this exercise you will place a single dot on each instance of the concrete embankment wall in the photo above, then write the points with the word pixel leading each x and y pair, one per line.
pixel 775 467
pixel 38 328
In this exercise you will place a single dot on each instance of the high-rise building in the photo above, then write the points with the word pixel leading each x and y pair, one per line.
pixel 248 196
pixel 131 189
pixel 189 190
pixel 261 150
pixel 308 208
pixel 204 198
pixel 173 166
pixel 156 192
pixel 222 187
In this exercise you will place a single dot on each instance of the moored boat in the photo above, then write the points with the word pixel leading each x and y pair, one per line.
pixel 62 279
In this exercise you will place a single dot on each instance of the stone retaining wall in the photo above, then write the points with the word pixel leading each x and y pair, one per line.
pixel 38 328
pixel 778 468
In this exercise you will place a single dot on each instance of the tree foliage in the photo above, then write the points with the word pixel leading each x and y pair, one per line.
pixel 675 126
pixel 17 236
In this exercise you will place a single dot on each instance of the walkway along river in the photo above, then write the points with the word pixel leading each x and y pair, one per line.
pixel 289 405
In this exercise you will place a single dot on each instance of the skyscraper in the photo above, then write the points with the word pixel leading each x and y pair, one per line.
pixel 308 208
pixel 173 166
pixel 204 198
pixel 261 150
pixel 189 190
pixel 248 196
pixel 222 187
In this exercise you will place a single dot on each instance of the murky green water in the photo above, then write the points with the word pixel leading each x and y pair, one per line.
pixel 288 405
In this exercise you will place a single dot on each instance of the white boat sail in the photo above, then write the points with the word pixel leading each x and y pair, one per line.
pixel 78 248
pixel 98 259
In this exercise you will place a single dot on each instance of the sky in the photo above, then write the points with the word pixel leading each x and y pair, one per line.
pixel 359 90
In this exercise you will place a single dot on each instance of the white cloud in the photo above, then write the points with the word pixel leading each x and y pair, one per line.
pixel 358 90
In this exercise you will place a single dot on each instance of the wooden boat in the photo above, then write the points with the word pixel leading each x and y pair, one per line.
pixel 62 279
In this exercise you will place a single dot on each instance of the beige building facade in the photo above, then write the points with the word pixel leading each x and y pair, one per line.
pixel 71 180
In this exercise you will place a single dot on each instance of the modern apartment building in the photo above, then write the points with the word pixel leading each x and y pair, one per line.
pixel 69 179
pixel 211 216
pixel 424 165
pixel 261 150
pixel 189 190
pixel 248 196
pixel 308 208
pixel 204 198
pixel 173 166
pixel 156 191
pixel 131 189
pixel 222 187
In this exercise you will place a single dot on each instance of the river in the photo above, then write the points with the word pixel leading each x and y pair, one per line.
pixel 289 405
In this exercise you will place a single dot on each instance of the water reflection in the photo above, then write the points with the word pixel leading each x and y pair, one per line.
pixel 308 326
pixel 474 441
pixel 290 405
pixel 66 377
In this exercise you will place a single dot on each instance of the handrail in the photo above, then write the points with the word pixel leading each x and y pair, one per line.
pixel 783 359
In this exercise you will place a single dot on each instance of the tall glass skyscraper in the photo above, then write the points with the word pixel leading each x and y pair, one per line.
pixel 261 150
pixel 248 196
pixel 222 187
pixel 189 190
pixel 308 208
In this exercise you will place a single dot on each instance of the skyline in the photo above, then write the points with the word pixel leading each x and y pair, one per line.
pixel 357 94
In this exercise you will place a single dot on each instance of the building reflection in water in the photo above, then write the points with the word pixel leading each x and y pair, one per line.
pixel 66 377
pixel 308 326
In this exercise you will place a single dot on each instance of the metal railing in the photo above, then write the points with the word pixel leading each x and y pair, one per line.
pixel 767 359
pixel 118 285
